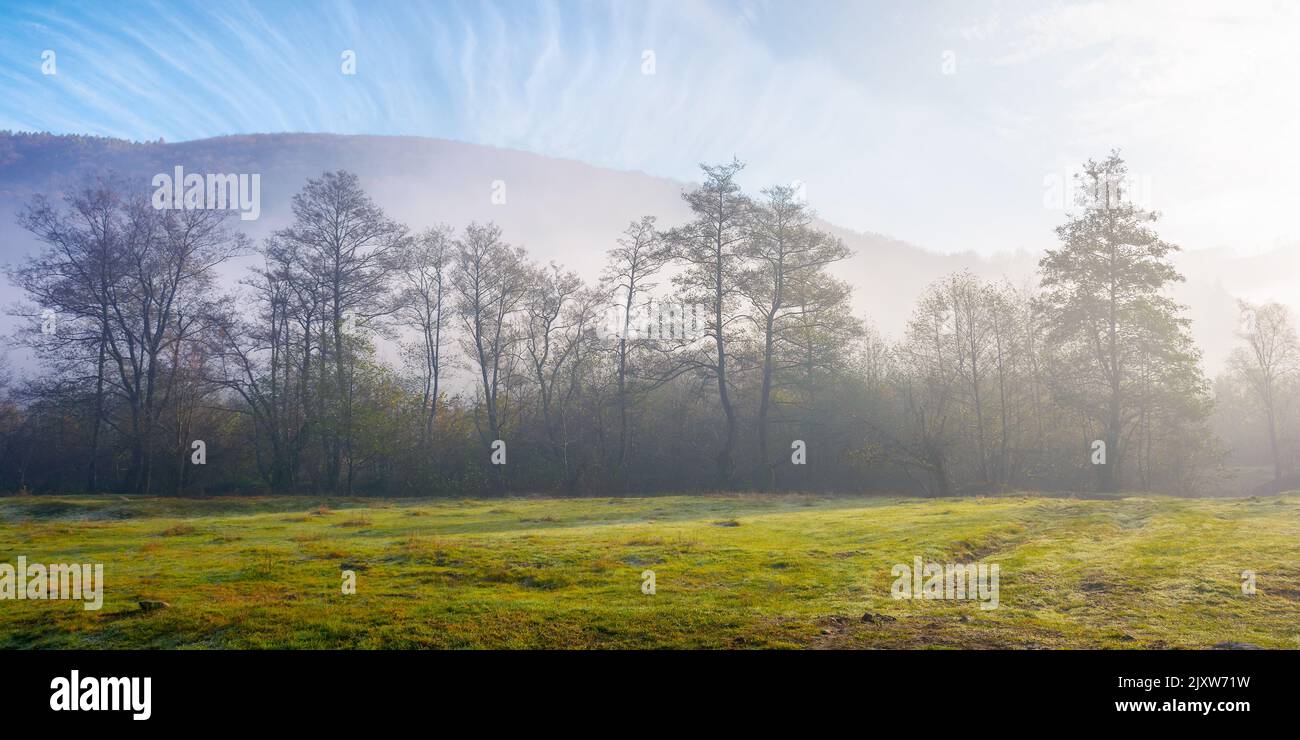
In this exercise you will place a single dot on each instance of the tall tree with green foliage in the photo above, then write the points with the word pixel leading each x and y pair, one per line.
pixel 1103 299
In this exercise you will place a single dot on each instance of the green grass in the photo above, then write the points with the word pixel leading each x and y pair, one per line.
pixel 731 571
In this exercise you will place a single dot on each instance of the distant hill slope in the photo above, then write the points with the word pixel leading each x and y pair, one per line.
pixel 560 210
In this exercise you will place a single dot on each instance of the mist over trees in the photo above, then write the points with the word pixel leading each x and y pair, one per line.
pixel 1258 394
pixel 714 354
pixel 1120 350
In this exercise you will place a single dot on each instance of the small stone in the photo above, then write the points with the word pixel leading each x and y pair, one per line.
pixel 964 618
pixel 877 618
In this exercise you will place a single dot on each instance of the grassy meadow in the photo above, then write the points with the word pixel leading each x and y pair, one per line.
pixel 736 571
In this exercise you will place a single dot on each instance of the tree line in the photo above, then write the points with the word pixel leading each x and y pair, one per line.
pixel 715 354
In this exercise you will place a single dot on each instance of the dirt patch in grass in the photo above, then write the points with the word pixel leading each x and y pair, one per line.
pixel 416 551
pixel 48 510
pixel 528 577
pixel 644 542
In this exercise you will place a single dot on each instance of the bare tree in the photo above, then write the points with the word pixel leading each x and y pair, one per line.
pixel 783 281
pixel 490 280
pixel 71 283
pixel 967 299
pixel 164 300
pixel 713 247
pixel 1270 358
pixel 424 303
pixel 264 357
pixel 549 342
pixel 927 378
pixel 632 265
pixel 350 249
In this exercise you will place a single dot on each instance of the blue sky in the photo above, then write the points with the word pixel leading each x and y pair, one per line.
pixel 853 99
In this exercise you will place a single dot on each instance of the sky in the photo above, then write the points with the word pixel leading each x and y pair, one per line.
pixel 952 125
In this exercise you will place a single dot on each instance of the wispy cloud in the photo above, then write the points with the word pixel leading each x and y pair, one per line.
pixel 848 98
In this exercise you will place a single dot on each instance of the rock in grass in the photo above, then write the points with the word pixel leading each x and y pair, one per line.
pixel 877 618
pixel 147 605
